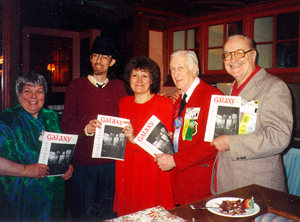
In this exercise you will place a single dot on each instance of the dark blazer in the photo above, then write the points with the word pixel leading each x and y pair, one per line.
pixel 256 158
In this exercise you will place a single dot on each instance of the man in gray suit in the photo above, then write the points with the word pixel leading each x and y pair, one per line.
pixel 255 157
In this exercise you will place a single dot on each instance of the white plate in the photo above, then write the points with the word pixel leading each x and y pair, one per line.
pixel 217 201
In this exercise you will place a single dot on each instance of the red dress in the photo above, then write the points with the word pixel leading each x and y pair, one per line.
pixel 140 184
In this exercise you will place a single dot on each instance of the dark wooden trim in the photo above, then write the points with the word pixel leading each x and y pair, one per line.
pixel 75 36
pixel 142 11
pixel 218 78
pixel 262 7
pixel 6 49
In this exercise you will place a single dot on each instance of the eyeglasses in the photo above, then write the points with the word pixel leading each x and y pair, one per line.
pixel 28 92
pixel 95 56
pixel 237 54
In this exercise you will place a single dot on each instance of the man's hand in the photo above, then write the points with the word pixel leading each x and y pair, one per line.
pixel 92 125
pixel 221 143
pixel 69 173
pixel 165 161
pixel 176 95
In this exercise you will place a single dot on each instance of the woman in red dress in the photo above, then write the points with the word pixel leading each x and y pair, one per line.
pixel 140 184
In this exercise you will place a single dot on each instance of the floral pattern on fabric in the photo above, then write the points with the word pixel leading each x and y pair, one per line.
pixel 28 198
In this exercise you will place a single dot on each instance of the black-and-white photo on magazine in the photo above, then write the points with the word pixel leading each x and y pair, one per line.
pixel 160 139
pixel 227 121
pixel 223 117
pixel 57 151
pixel 60 157
pixel 153 138
pixel 110 141
pixel 114 142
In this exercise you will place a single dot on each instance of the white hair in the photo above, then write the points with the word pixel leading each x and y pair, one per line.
pixel 192 59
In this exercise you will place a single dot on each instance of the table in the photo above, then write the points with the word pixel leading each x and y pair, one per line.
pixel 269 200
pixel 291 160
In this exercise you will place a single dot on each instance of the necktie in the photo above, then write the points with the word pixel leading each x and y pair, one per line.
pixel 182 104
pixel 100 85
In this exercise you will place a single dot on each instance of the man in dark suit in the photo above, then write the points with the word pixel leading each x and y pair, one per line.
pixel 254 157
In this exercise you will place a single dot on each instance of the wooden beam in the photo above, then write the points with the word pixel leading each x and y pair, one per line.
pixel 214 3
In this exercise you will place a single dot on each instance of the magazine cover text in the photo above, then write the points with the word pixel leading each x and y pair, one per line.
pixel 223 117
pixel 57 151
pixel 110 141
pixel 153 138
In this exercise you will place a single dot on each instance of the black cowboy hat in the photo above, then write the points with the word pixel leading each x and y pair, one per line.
pixel 105 46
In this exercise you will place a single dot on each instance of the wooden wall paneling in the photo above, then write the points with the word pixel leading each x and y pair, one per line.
pixel 10 49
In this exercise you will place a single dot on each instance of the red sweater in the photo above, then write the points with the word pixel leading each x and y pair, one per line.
pixel 83 102
pixel 194 160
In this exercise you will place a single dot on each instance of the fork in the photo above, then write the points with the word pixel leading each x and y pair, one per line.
pixel 201 208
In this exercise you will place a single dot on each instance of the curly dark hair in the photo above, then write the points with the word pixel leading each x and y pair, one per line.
pixel 146 64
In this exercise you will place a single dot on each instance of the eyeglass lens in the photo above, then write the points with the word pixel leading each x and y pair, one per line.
pixel 237 54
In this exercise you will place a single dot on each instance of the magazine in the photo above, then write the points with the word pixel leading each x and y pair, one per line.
pixel 248 114
pixel 57 151
pixel 153 138
pixel 223 117
pixel 110 141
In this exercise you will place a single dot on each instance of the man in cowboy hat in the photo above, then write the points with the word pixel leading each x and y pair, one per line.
pixel 92 186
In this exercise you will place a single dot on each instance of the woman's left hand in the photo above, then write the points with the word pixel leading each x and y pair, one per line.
pixel 69 173
pixel 36 170
pixel 176 95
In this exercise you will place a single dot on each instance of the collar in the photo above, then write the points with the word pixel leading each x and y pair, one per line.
pixel 191 89
pixel 235 90
pixel 95 82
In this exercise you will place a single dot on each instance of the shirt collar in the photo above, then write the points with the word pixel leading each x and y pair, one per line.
pixel 236 90
pixel 192 88
pixel 95 82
